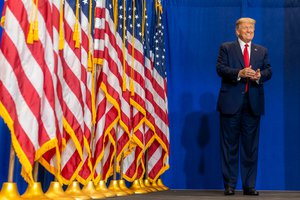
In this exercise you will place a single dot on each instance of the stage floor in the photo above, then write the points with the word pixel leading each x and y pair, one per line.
pixel 211 194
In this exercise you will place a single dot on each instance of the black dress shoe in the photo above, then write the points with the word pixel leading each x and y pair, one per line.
pixel 229 191
pixel 251 191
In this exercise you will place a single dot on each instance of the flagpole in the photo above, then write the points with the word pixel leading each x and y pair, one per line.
pixel 35 171
pixel 115 165
pixel 9 189
pixel 121 166
pixel 11 164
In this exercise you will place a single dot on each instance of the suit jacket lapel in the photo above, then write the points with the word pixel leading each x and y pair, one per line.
pixel 238 51
pixel 253 55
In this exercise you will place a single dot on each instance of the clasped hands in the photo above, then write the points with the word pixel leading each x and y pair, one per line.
pixel 248 72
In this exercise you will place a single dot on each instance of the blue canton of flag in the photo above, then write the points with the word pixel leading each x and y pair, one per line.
pixel 129 26
pixel 149 31
pixel 85 9
pixel 159 47
pixel 120 18
pixel 138 20
pixel 72 4
pixel 129 19
pixel 135 12
pixel 109 6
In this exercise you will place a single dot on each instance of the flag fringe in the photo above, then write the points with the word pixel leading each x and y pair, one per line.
pixel 26 165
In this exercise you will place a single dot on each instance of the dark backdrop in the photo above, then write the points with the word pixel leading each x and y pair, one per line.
pixel 196 28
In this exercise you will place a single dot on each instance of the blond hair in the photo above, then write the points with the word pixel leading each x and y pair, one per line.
pixel 244 20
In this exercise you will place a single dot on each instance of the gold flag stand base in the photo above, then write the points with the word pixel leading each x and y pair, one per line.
pixel 157 187
pixel 35 191
pixel 9 191
pixel 160 184
pixel 101 187
pixel 149 186
pixel 123 187
pixel 89 189
pixel 144 187
pixel 56 192
pixel 114 186
pixel 136 187
pixel 74 191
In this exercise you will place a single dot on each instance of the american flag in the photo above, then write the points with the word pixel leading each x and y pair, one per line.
pixel 27 83
pixel 158 152
pixel 57 79
pixel 136 75
pixel 123 135
pixel 149 90
pixel 111 88
pixel 110 83
pixel 47 91
pixel 72 91
pixel 87 79
pixel 101 102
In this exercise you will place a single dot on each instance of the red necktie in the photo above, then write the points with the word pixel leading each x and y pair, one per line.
pixel 247 62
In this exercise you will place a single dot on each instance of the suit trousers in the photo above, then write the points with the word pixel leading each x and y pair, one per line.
pixel 239 137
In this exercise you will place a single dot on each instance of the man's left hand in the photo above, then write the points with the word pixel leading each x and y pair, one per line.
pixel 256 76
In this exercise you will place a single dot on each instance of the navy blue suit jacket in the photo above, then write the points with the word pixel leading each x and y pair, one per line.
pixel 230 61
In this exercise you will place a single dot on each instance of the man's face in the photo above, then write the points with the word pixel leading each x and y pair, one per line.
pixel 245 32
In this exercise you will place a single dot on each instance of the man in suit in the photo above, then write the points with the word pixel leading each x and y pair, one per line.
pixel 243 67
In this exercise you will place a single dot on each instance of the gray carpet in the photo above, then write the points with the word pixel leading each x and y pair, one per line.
pixel 210 194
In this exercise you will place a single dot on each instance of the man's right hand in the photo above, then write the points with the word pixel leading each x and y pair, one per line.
pixel 247 72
